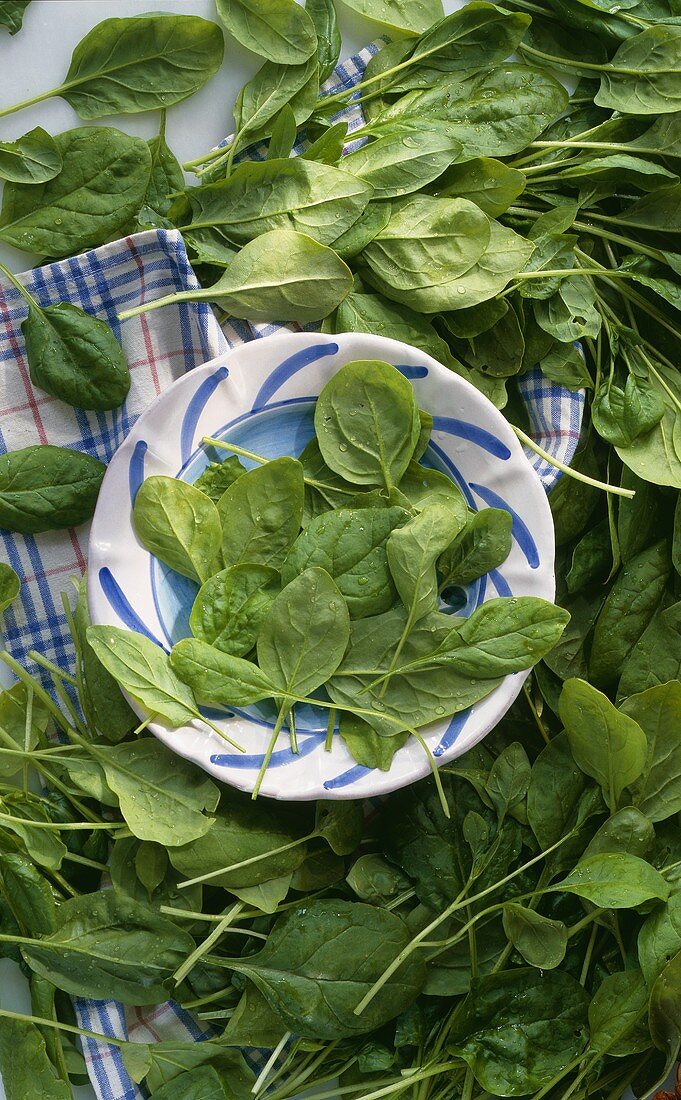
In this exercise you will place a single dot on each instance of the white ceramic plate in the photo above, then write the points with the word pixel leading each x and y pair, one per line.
pixel 261 396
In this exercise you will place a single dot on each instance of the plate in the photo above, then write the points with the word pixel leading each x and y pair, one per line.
pixel 261 396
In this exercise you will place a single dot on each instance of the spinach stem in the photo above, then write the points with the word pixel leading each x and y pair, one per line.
pixel 432 763
pixel 59 826
pixel 19 286
pixel 271 1061
pixel 50 667
pixel 211 938
pixel 535 714
pixel 576 474
pixel 330 726
pixel 281 718
pixel 71 1029
pixel 28 102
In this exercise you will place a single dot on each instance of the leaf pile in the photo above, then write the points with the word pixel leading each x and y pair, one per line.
pixel 527 945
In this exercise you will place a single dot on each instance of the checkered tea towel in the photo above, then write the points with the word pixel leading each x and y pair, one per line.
pixel 160 347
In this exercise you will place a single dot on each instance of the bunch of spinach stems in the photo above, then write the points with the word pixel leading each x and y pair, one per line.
pixel 528 945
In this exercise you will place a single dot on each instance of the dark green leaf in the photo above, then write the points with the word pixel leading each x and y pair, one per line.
pixel 107 945
pixel 46 488
pixel 517 1029
pixel 101 186
pixel 321 958
pixel 75 357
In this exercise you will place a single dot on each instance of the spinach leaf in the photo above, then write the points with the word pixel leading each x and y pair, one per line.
pixel 279 30
pixel 328 149
pixel 375 314
pixel 628 610
pixel 231 607
pixel 161 797
pixel 46 488
pixel 520 1027
pixel 605 743
pixel 657 792
pixel 412 552
pixel 652 58
pixel 427 242
pixel 493 114
pixel 218 476
pixel 321 958
pixel 142 63
pixel 305 634
pixel 620 416
pixel 101 186
pixel 483 544
pixel 12 14
pixel 659 939
pixel 626 831
pixel 367 423
pixel 163 1062
pixel 542 942
pixel 102 700
pixel 617 1022
pixel 503 254
pixel 42 844
pixel 18 727
pixel 403 156
pixel 75 356
pixel 556 788
pixel 202 1083
pixel 107 945
pixel 33 158
pixel 503 636
pixel 350 544
pixel 616 880
pixel 323 16
pixel 283 137
pixel 180 525
pixel 10 586
pixel 31 898
pixel 143 670
pixel 249 838
pixel 656 455
pixel 216 676
pixel 366 746
pixel 655 659
pixel 253 1023
pixel 261 514
pixel 24 1064
pixel 417 691
pixel 489 183
pixel 407 16
pixel 280 276
pixel 664 1018
pixel 275 86
pixel 293 193
pixel 166 176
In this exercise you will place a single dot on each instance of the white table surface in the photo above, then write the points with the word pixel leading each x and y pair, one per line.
pixel 37 59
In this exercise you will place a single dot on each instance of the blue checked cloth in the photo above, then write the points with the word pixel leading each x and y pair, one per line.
pixel 160 348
